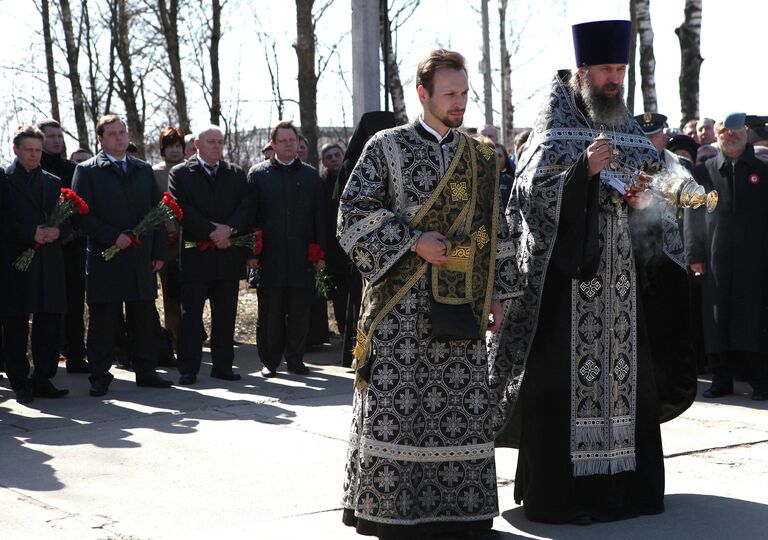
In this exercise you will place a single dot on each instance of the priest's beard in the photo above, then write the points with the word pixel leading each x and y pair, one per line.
pixel 447 121
pixel 601 108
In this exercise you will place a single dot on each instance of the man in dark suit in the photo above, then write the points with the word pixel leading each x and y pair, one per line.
pixel 212 194
pixel 39 290
pixel 286 197
pixel 120 191
pixel 73 336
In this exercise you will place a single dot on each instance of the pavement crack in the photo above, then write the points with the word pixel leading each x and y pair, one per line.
pixel 716 448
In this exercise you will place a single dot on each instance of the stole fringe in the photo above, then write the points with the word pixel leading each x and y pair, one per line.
pixel 623 433
pixel 588 435
pixel 604 466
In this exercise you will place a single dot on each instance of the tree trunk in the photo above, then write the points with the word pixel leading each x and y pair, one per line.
pixel 486 65
pixel 647 58
pixel 73 54
pixel 393 70
pixel 127 90
pixel 169 16
pixel 689 34
pixel 631 75
pixel 215 75
pixel 507 109
pixel 305 52
pixel 49 64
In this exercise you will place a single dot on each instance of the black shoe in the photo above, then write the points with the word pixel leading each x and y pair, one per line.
pixel 99 385
pixel 170 361
pixel 187 379
pixel 718 391
pixel 268 373
pixel 153 381
pixel 25 395
pixel 225 375
pixel 78 366
pixel 298 369
pixel 759 396
pixel 48 390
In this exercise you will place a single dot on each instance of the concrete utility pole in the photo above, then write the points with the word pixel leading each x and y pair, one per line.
pixel 366 81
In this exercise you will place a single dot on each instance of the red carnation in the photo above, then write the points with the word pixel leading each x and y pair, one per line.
pixel 315 253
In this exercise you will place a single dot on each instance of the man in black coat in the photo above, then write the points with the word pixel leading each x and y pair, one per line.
pixel 39 290
pixel 729 248
pixel 120 191
pixel 73 336
pixel 212 194
pixel 5 264
pixel 286 199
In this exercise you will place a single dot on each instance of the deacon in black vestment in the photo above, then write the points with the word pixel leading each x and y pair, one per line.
pixel 287 203
pixel 120 191
pixel 572 373
pixel 73 335
pixel 213 194
pixel 729 248
pixel 39 290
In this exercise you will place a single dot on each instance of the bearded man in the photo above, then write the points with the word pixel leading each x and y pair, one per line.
pixel 419 218
pixel 571 372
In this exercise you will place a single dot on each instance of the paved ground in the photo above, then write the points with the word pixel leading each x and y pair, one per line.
pixel 264 460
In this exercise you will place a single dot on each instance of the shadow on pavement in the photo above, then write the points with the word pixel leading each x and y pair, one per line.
pixel 687 516
pixel 178 411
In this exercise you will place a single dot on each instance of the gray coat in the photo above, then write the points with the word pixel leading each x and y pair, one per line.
pixel 118 201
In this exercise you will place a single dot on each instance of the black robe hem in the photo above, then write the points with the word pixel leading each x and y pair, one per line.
pixel 385 531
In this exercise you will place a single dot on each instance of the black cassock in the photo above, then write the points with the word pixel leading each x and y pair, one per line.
pixel 541 426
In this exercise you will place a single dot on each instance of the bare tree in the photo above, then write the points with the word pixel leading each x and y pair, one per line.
pixel 127 87
pixel 49 63
pixel 486 64
pixel 168 15
pixel 216 8
pixel 647 58
pixel 305 46
pixel 507 108
pixel 73 56
pixel 689 34
pixel 389 23
pixel 268 46
pixel 631 75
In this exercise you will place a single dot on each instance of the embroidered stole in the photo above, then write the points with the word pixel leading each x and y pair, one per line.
pixel 458 208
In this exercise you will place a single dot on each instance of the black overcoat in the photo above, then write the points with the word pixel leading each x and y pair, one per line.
pixel 206 200
pixel 733 242
pixel 118 201
pixel 288 206
pixel 41 288
pixel 5 263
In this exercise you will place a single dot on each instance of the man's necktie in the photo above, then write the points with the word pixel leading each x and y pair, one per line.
pixel 121 165
pixel 210 170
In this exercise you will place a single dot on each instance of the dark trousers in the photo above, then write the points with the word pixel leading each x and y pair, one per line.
pixel 45 348
pixel 283 324
pixel 725 365
pixel 103 325
pixel 73 327
pixel 339 299
pixel 223 297
pixel 171 282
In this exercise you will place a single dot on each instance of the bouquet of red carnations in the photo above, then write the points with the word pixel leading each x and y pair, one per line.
pixel 251 241
pixel 323 282
pixel 69 203
pixel 165 210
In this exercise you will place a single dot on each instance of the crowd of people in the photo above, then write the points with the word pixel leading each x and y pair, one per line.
pixel 602 301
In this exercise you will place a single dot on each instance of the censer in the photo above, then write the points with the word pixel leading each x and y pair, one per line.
pixel 680 191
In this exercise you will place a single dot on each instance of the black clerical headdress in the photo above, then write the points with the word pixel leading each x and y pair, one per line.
pixel 602 42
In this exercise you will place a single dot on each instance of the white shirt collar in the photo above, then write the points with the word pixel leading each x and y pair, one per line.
pixel 435 134
pixel 113 159
pixel 204 164
pixel 283 163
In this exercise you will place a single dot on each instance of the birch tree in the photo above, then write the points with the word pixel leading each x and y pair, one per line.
pixel 167 12
pixel 647 58
pixel 631 68
pixel 49 62
pixel 507 108
pixel 689 34
pixel 486 64
pixel 73 57
pixel 388 29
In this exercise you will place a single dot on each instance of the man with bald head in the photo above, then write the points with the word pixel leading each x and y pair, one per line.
pixel 212 194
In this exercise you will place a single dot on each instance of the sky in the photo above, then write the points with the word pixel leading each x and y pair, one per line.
pixel 732 36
